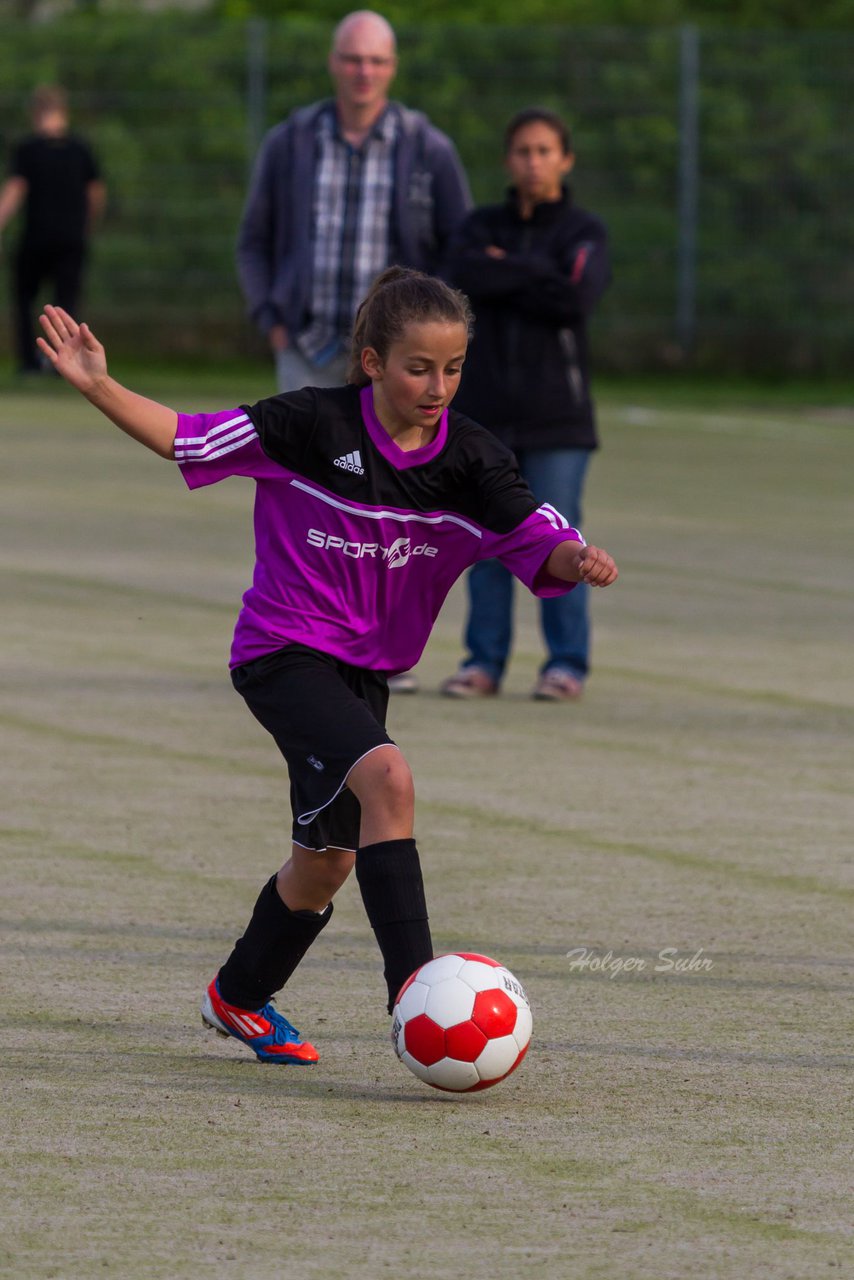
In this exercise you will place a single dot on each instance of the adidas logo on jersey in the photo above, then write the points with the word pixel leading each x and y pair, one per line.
pixel 351 462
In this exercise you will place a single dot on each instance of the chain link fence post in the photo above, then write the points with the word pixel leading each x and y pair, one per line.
pixel 688 188
pixel 256 85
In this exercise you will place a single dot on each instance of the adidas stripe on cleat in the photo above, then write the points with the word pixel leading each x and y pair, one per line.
pixel 270 1036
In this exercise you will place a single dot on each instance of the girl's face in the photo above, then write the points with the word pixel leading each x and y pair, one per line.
pixel 419 376
pixel 536 161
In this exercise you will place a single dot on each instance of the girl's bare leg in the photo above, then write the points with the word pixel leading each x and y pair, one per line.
pixel 382 783
pixel 309 881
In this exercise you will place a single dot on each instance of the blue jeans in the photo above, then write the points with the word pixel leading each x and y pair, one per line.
pixel 555 476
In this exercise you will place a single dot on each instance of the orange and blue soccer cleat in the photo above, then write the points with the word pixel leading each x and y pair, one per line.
pixel 270 1036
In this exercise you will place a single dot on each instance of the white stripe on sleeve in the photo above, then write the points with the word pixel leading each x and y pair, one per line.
pixel 204 449
pixel 553 516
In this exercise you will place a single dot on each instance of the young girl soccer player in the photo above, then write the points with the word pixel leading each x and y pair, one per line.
pixel 371 500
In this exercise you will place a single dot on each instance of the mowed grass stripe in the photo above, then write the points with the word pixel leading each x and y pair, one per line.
pixel 42 584
pixel 528 827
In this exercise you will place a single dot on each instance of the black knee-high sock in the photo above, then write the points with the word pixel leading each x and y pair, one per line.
pixel 389 876
pixel 275 941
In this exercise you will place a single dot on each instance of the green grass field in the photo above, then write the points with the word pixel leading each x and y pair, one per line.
pixel 664 1124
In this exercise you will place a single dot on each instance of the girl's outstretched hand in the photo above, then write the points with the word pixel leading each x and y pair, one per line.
pixel 76 353
pixel 72 349
pixel 577 562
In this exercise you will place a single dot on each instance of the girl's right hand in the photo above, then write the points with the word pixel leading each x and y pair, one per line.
pixel 72 349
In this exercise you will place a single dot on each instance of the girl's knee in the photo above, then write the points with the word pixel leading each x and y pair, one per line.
pixel 393 781
pixel 383 777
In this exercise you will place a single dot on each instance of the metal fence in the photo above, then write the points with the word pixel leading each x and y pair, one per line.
pixel 721 161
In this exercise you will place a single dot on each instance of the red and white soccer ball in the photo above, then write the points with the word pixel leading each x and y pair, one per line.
pixel 462 1022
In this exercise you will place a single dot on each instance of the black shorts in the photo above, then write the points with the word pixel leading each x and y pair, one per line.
pixel 325 716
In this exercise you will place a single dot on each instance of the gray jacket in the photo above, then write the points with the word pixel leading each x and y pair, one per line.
pixel 431 198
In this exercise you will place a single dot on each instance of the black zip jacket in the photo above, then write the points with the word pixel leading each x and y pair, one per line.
pixel 526 375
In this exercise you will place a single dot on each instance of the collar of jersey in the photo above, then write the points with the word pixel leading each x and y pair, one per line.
pixel 400 458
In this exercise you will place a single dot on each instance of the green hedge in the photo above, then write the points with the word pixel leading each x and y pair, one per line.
pixel 164 99
pixel 744 14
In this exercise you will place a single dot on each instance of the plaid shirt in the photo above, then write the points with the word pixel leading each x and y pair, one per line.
pixel 352 235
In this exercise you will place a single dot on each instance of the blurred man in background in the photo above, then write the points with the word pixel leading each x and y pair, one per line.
pixel 343 189
pixel 55 177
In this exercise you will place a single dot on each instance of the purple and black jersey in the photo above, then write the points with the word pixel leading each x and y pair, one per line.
pixel 358 542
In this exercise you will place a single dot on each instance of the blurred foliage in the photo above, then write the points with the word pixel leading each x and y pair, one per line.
pixel 164 100
pixel 744 14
